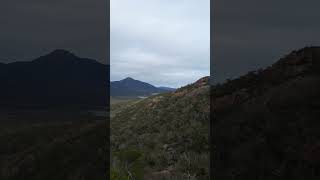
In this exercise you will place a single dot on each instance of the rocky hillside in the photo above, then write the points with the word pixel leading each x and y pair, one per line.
pixel 163 136
pixel 266 123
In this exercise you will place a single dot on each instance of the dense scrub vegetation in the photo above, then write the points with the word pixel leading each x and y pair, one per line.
pixel 53 148
pixel 266 123
pixel 164 136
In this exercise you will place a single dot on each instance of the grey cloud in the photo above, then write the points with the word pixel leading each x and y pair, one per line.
pixel 33 28
pixel 161 42
pixel 251 34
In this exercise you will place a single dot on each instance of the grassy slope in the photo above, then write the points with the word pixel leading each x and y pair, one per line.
pixel 164 135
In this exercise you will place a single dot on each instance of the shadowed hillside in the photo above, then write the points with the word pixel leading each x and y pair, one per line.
pixel 58 78
pixel 50 118
pixel 51 146
pixel 164 136
pixel 266 123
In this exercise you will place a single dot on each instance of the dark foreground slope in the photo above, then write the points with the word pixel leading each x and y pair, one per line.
pixel 164 136
pixel 266 123
pixel 70 148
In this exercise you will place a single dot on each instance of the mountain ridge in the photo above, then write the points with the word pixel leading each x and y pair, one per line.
pixel 59 77
pixel 132 87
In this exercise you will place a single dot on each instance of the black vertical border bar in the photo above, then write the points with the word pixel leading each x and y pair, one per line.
pixel 211 174
pixel 108 91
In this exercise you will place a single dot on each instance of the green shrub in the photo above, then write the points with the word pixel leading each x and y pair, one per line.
pixel 130 165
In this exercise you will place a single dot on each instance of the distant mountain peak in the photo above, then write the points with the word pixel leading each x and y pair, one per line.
pixel 58 77
pixel 128 78
pixel 133 88
pixel 58 55
pixel 61 52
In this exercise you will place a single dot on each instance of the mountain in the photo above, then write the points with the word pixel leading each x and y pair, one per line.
pixel 58 78
pixel 265 125
pixel 132 88
pixel 167 88
pixel 163 136
pixel 44 133
pixel 266 122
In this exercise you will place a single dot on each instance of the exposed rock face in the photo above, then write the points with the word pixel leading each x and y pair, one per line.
pixel 266 122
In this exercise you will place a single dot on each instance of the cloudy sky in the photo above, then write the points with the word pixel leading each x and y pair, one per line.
pixel 163 42
pixel 33 28
pixel 250 34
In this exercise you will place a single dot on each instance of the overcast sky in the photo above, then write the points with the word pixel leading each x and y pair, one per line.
pixel 162 42
pixel 31 28
pixel 250 34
